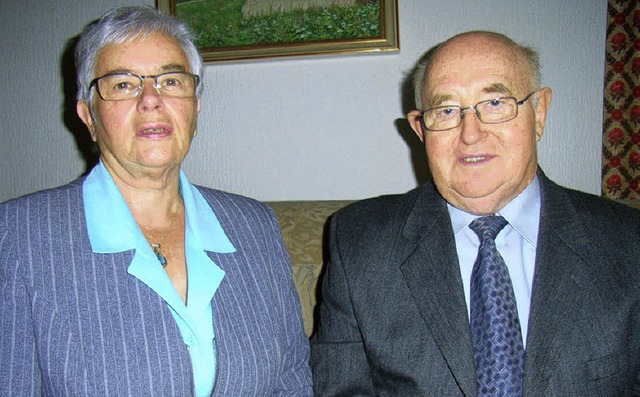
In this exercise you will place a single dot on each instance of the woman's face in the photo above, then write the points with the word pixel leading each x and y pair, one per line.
pixel 149 133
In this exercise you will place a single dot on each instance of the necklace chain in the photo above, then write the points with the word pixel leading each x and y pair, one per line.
pixel 157 246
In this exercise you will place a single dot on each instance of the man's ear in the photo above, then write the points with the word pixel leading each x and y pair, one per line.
pixel 542 108
pixel 85 115
pixel 416 125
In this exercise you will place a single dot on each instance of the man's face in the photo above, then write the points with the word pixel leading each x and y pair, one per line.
pixel 150 132
pixel 480 167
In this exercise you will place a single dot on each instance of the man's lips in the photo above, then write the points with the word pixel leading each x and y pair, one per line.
pixel 477 159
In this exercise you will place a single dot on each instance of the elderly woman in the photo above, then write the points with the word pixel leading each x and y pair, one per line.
pixel 133 281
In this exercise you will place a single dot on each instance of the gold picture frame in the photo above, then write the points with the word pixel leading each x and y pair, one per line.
pixel 386 41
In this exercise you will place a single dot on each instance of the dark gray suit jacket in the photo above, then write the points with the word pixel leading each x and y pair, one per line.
pixel 393 318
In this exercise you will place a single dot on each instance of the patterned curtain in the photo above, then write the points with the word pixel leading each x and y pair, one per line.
pixel 621 140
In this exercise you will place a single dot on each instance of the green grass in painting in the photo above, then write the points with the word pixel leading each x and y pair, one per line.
pixel 219 23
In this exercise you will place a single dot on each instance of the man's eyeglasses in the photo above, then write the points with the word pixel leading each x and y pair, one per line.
pixel 492 111
pixel 123 86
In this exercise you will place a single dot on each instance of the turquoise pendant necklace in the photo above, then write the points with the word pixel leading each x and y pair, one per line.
pixel 161 258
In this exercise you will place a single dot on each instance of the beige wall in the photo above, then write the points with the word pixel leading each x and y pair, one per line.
pixel 314 128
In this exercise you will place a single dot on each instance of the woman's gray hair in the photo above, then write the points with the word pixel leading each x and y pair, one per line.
pixel 527 55
pixel 123 25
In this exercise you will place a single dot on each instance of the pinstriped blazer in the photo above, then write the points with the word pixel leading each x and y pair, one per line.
pixel 75 323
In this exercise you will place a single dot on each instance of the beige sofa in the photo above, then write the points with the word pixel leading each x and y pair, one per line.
pixel 303 229
pixel 303 224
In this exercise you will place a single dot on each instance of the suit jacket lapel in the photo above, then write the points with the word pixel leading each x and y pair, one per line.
pixel 432 273
pixel 559 283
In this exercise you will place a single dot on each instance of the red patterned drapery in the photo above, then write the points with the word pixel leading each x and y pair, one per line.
pixel 621 140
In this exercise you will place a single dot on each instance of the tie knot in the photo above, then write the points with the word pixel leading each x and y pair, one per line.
pixel 488 227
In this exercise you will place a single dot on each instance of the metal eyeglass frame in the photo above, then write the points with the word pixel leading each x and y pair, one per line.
pixel 94 83
pixel 462 111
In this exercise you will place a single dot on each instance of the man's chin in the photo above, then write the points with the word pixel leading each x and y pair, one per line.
pixel 478 202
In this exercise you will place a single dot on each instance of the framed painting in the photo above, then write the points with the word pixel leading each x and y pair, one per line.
pixel 250 29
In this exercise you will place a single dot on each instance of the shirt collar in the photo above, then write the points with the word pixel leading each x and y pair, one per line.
pixel 522 213
pixel 111 226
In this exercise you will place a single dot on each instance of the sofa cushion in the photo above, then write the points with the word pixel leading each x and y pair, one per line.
pixel 303 225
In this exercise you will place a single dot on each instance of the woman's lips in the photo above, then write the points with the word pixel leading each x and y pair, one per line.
pixel 155 131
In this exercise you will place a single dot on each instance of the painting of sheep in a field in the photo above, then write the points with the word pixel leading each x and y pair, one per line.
pixel 257 28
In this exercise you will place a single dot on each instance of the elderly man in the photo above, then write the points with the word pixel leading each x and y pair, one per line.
pixel 442 291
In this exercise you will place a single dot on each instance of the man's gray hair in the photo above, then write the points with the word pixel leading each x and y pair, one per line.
pixel 529 56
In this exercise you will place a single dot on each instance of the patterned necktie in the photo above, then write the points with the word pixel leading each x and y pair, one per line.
pixel 497 340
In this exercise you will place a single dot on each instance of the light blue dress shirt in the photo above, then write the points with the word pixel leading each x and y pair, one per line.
pixel 112 229
pixel 516 243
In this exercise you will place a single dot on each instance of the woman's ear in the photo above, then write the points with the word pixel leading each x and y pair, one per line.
pixel 85 115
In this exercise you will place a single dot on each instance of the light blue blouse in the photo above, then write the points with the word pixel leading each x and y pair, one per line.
pixel 111 229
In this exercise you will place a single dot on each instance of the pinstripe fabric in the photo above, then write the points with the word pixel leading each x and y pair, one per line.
pixel 75 323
